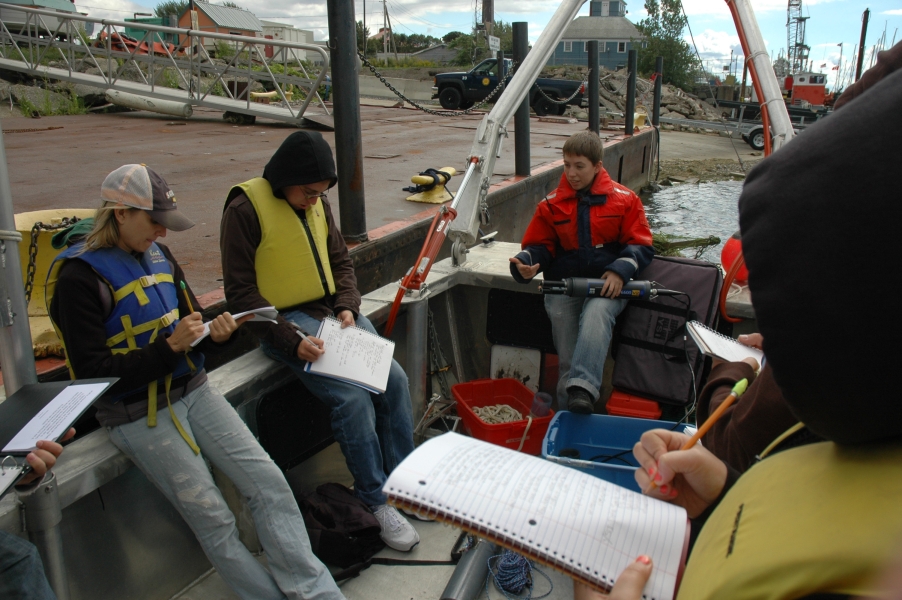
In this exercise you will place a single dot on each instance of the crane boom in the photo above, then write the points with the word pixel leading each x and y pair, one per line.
pixel 471 196
pixel 774 113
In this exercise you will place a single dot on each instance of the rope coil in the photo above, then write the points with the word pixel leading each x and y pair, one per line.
pixel 512 574
pixel 498 413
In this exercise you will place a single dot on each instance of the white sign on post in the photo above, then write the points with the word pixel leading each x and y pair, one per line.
pixel 494 43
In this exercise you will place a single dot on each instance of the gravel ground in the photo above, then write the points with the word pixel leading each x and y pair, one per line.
pixel 712 169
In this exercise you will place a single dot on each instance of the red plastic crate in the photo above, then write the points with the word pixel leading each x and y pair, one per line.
pixel 489 392
pixel 622 404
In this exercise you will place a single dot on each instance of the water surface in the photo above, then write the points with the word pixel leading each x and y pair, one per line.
pixel 696 210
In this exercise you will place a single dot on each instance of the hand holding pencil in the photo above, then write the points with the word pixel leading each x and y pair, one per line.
pixel 675 468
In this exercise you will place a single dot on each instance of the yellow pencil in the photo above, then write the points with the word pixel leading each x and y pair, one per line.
pixel 187 297
pixel 738 390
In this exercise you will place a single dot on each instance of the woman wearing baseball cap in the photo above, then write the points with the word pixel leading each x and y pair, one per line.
pixel 119 302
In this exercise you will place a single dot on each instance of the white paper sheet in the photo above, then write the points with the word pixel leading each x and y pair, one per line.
pixel 8 476
pixel 55 418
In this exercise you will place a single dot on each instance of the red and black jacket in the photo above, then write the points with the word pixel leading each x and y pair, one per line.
pixel 584 234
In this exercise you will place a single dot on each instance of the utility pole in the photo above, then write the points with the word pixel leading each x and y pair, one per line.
pixel 346 108
pixel 384 30
pixel 864 32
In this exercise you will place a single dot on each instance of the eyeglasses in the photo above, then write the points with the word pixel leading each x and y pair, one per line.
pixel 322 195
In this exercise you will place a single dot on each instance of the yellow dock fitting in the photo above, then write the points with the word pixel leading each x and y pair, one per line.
pixel 430 186
pixel 267 97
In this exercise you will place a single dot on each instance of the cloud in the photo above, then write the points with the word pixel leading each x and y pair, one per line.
pixel 716 45
pixel 113 10
pixel 894 12
pixel 695 8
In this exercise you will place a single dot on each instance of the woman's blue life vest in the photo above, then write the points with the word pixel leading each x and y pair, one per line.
pixel 144 306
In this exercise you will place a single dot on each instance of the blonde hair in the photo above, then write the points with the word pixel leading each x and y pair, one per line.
pixel 106 229
pixel 587 144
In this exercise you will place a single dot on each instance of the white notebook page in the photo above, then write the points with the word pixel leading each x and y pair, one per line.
pixel 353 354
pixel 722 346
pixel 575 522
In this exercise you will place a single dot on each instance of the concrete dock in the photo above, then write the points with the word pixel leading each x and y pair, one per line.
pixel 60 162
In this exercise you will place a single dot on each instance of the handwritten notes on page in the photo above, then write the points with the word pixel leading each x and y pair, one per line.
pixel 584 526
pixel 354 355
pixel 52 421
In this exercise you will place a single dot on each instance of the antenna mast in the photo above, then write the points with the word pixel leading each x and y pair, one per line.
pixel 796 49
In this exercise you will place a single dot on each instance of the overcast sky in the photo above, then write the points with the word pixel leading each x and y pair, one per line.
pixel 831 22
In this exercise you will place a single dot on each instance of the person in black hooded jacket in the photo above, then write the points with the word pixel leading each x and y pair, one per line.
pixel 281 247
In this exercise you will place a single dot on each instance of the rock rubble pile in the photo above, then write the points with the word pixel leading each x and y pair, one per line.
pixel 675 103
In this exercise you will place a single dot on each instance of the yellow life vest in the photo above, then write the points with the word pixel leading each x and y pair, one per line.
pixel 290 269
pixel 818 518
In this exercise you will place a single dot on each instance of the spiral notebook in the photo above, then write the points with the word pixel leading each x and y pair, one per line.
pixel 353 355
pixel 720 346
pixel 265 314
pixel 586 527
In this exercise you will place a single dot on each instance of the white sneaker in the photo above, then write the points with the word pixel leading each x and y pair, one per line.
pixel 397 533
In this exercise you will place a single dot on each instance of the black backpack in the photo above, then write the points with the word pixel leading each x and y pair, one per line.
pixel 342 529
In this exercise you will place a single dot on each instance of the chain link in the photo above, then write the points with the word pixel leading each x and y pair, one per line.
pixel 33 250
pixel 440 113
pixel 580 87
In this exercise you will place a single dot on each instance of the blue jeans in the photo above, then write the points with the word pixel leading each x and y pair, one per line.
pixel 582 330
pixel 375 431
pixel 21 570
pixel 184 478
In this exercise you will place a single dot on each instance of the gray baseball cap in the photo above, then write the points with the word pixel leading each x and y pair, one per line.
pixel 138 186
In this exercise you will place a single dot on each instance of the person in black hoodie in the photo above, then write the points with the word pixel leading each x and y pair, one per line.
pixel 819 514
pixel 281 247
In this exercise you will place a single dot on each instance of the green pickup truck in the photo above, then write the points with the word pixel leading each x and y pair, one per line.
pixel 460 91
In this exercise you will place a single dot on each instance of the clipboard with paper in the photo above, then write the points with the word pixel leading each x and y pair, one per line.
pixel 41 411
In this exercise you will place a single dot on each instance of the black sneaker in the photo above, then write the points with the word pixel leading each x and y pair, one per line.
pixel 579 401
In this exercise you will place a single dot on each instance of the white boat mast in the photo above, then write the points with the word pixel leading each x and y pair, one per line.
pixel 773 109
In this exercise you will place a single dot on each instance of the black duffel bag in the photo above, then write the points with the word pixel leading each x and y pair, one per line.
pixel 652 351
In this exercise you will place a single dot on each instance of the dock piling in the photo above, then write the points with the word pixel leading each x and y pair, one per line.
pixel 593 91
pixel 659 75
pixel 521 116
pixel 346 112
pixel 632 64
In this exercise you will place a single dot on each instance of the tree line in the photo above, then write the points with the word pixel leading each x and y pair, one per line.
pixel 662 29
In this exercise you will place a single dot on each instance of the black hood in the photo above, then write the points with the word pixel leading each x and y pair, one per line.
pixel 304 157
pixel 820 224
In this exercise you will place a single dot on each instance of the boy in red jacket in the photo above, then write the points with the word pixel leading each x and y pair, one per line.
pixel 589 226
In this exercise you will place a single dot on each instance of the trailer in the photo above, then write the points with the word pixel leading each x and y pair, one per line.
pixel 751 132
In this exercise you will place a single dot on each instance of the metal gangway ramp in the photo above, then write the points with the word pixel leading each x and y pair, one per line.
pixel 31 39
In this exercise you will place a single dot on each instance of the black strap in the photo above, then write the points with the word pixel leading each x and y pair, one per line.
pixel 674 352
pixel 377 560
pixel 679 311
pixel 354 570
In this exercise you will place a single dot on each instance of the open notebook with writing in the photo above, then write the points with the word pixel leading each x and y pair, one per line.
pixel 353 355
pixel 584 526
